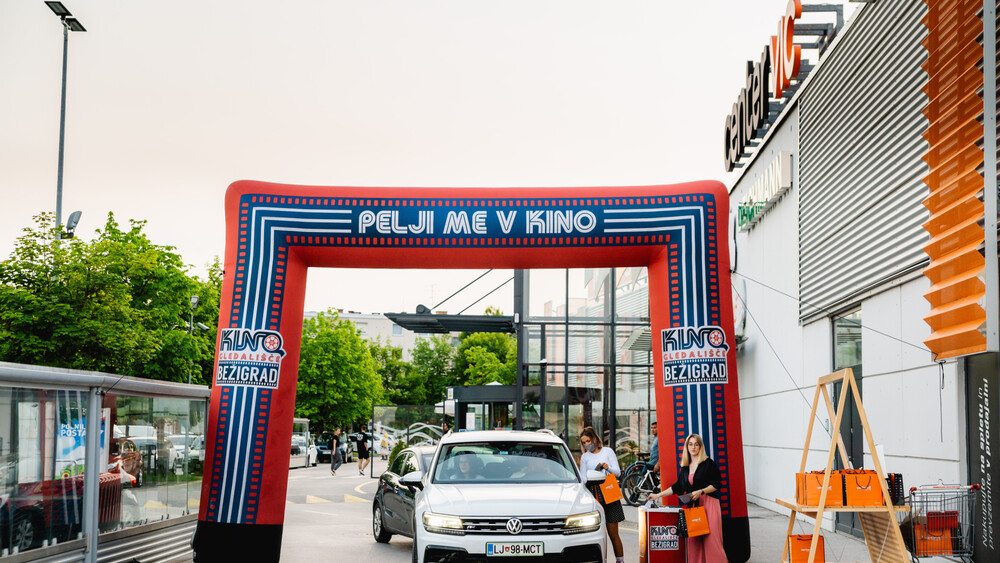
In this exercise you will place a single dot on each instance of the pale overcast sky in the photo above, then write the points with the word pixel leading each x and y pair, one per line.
pixel 170 102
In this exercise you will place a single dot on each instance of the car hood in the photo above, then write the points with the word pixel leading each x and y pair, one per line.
pixel 549 499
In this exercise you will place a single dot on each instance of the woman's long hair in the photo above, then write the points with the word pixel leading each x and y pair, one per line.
pixel 589 432
pixel 686 458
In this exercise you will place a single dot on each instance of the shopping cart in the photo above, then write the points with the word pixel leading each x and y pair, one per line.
pixel 941 521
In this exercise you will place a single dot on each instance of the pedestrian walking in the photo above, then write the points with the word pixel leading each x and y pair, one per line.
pixel 364 457
pixel 336 456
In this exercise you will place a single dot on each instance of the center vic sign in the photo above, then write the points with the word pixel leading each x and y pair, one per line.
pixel 778 64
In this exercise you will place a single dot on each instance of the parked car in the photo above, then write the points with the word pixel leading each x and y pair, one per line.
pixel 35 511
pixel 183 445
pixel 500 493
pixel 125 456
pixel 303 453
pixel 392 509
pixel 323 453
pixel 196 455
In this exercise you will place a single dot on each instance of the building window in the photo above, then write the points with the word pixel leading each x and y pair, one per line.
pixel 397 330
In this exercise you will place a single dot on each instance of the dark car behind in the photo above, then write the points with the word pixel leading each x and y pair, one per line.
pixel 392 510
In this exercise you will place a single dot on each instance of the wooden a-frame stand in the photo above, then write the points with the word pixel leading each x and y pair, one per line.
pixel 882 535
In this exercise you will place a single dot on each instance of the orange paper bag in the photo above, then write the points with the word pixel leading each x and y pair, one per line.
pixel 696 520
pixel 610 489
pixel 798 549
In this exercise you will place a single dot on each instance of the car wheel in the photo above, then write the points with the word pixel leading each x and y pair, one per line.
pixel 23 532
pixel 378 525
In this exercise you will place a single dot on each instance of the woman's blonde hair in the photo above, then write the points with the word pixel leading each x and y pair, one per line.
pixel 686 457
pixel 589 432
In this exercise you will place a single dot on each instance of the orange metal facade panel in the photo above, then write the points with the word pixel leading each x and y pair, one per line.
pixel 968 209
pixel 958 341
pixel 957 28
pixel 956 313
pixel 948 88
pixel 955 288
pixel 956 237
pixel 950 146
pixel 964 55
pixel 953 109
pixel 944 124
pixel 954 168
pixel 939 11
pixel 955 265
pixel 943 195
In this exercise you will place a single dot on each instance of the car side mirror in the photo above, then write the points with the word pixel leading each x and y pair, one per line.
pixel 595 477
pixel 413 479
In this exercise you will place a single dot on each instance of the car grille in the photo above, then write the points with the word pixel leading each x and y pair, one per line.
pixel 498 525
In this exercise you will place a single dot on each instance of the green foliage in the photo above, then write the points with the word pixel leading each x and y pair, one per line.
pixel 337 378
pixel 117 304
pixel 433 357
pixel 403 383
pixel 484 357
pixel 398 447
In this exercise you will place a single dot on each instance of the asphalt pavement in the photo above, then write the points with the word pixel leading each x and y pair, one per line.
pixel 329 518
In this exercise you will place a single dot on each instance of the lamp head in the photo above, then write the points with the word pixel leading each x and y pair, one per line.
pixel 71 223
pixel 194 301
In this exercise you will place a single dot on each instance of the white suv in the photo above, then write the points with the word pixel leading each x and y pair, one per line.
pixel 505 495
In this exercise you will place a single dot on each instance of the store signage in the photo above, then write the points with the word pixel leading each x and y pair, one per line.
pixel 694 355
pixel 779 63
pixel 663 538
pixel 766 191
pixel 249 358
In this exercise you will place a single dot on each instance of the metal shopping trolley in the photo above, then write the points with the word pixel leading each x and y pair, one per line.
pixel 941 521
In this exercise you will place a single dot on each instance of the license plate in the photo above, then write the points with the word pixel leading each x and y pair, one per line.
pixel 519 549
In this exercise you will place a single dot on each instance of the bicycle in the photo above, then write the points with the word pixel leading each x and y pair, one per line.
pixel 639 481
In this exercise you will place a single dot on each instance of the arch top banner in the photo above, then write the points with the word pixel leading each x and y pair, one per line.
pixel 276 232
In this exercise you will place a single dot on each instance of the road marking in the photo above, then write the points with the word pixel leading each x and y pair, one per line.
pixel 313 500
pixel 358 488
pixel 352 498
pixel 193 503
pixel 288 502
pixel 154 504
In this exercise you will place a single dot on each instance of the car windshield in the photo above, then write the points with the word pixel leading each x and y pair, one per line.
pixel 505 462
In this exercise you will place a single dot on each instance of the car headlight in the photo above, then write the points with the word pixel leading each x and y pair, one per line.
pixel 578 523
pixel 442 524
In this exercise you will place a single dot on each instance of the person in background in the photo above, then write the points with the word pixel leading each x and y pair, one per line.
pixel 654 451
pixel 699 477
pixel 597 457
pixel 336 454
pixel 364 458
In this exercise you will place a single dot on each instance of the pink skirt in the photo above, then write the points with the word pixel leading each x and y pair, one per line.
pixel 708 548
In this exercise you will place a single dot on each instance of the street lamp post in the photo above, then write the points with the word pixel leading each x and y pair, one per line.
pixel 69 24
pixel 194 303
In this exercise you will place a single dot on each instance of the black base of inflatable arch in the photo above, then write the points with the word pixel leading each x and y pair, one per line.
pixel 215 542
pixel 736 539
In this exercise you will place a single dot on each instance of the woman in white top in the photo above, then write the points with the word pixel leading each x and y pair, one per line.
pixel 597 457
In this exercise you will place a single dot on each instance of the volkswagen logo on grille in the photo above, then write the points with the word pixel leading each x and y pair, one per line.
pixel 514 526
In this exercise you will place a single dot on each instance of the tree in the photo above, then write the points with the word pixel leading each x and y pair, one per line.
pixel 498 350
pixel 403 383
pixel 433 357
pixel 337 379
pixel 115 304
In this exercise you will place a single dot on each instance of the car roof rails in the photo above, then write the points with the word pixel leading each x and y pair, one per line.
pixel 546 431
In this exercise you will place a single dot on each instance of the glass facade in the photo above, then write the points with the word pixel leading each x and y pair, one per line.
pixel 581 364
pixel 150 451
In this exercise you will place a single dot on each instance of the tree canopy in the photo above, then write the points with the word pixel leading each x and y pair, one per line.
pixel 118 304
pixel 337 383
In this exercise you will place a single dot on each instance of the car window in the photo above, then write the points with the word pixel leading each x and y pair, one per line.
pixel 397 464
pixel 409 464
pixel 425 461
pixel 505 462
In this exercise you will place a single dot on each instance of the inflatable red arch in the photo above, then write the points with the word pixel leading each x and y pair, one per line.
pixel 276 232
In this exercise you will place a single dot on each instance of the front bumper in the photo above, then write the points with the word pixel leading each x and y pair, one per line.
pixel 575 548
